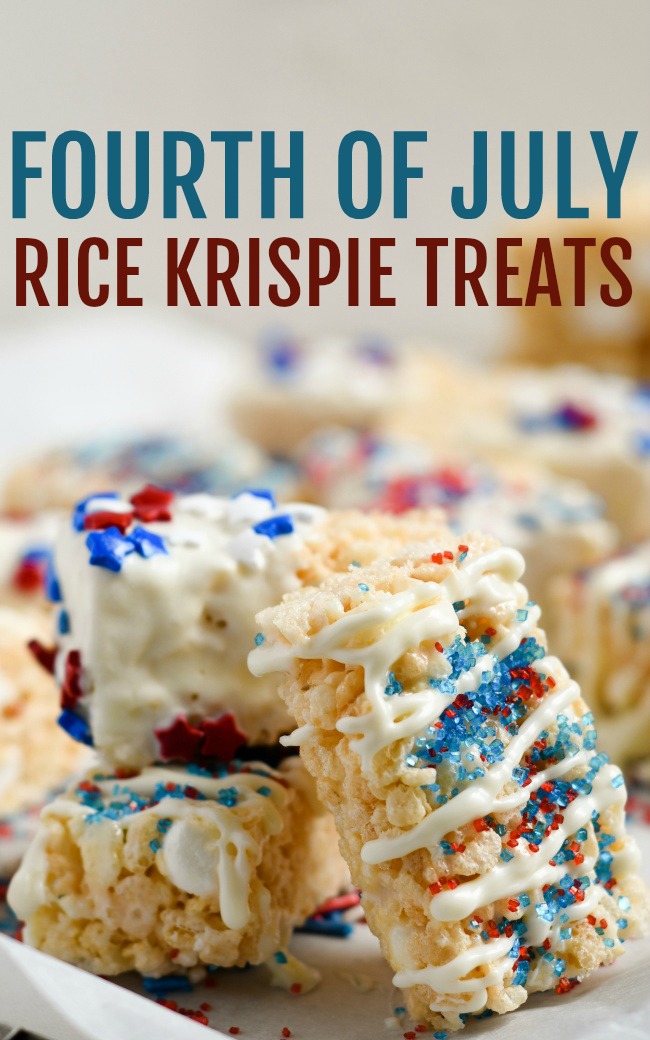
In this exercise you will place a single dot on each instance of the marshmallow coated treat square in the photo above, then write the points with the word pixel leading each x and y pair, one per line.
pixel 178 869
pixel 157 603
pixel 157 616
pixel 577 423
pixel 482 825
pixel 290 390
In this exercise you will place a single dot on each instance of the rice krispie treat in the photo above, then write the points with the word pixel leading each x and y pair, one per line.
pixel 556 524
pixel 178 869
pixel 612 339
pixel 343 468
pixel 482 825
pixel 603 634
pixel 443 394
pixel 58 479
pixel 291 389
pixel 35 755
pixel 580 424
pixel 157 603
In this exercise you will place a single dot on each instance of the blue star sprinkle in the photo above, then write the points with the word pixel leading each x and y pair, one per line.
pixel 109 548
pixel 76 726
pixel 275 526
pixel 146 543
pixel 81 508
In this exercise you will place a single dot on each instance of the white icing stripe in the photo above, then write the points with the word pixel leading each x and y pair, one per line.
pixel 208 852
pixel 423 612
pixel 519 798
pixel 145 782
pixel 450 978
pixel 538 930
pixel 481 796
pixel 528 870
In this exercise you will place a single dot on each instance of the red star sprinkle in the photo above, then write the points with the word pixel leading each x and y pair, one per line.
pixel 104 518
pixel 180 741
pixel 153 514
pixel 223 738
pixel 44 655
pixel 28 576
pixel 71 689
pixel 150 504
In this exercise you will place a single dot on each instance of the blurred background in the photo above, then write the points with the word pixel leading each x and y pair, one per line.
pixel 325 68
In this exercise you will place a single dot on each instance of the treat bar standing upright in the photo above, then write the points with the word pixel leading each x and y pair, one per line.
pixel 481 823
pixel 603 633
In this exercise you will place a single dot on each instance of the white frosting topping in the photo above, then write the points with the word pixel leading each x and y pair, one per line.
pixel 169 634
pixel 337 376
pixel 617 411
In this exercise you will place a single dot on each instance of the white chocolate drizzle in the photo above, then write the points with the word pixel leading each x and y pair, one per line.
pixel 527 870
pixel 449 979
pixel 207 851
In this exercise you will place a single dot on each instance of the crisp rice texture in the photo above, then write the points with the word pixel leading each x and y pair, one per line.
pixel 107 904
pixel 388 799
pixel 350 538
